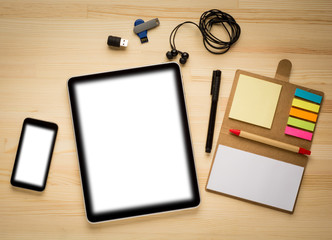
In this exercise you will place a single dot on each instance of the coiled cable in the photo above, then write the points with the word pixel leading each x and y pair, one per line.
pixel 211 42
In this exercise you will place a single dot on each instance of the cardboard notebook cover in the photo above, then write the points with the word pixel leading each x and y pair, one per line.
pixel 277 131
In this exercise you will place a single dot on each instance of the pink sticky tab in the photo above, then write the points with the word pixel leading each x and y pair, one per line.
pixel 298 133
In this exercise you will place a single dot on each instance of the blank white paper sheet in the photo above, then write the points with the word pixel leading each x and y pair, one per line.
pixel 256 178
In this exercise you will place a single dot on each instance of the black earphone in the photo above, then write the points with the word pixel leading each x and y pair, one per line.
pixel 172 54
pixel 211 43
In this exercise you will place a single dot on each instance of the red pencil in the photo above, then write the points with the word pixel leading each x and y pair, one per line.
pixel 270 142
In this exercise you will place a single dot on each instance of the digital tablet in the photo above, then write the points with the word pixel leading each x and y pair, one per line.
pixel 133 142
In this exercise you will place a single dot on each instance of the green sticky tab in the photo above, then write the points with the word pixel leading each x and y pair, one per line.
pixel 295 122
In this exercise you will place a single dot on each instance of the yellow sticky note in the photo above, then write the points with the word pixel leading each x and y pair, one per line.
pixel 255 101
pixel 305 105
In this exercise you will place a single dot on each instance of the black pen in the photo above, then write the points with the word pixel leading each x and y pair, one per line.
pixel 215 86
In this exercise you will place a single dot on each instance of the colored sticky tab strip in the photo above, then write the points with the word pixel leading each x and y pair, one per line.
pixel 303 114
pixel 298 133
pixel 308 96
pixel 305 105
pixel 295 122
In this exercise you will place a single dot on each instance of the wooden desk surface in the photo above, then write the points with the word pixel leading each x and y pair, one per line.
pixel 44 42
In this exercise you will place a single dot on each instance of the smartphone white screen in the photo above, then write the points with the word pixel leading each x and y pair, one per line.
pixel 34 155
pixel 133 141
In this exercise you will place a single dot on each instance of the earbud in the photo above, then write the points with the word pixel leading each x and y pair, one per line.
pixel 184 57
pixel 169 55
pixel 173 53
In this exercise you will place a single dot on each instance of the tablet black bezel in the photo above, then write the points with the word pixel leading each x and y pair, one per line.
pixel 111 215
pixel 40 124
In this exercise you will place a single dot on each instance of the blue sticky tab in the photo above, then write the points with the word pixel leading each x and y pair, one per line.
pixel 142 35
pixel 308 96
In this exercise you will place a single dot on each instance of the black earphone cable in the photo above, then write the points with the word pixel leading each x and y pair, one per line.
pixel 173 33
pixel 211 42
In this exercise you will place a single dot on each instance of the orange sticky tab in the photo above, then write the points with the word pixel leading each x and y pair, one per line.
pixel 303 114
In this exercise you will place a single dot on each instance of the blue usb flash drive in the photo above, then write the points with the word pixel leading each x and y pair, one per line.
pixel 144 34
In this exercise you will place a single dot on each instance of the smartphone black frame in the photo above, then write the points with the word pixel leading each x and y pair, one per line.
pixel 40 124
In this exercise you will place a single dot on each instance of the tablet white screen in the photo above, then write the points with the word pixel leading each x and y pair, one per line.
pixel 133 141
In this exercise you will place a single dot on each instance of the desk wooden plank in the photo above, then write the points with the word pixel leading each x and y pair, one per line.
pixel 44 43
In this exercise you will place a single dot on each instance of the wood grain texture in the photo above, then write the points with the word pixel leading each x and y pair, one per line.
pixel 44 43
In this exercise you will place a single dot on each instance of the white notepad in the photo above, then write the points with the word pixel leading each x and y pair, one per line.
pixel 256 178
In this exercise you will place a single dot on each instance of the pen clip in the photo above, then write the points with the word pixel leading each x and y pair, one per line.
pixel 213 83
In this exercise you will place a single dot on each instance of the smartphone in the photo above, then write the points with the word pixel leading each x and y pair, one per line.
pixel 34 153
